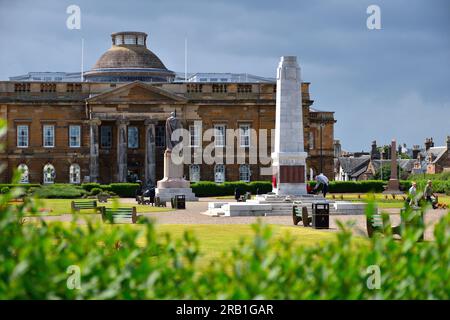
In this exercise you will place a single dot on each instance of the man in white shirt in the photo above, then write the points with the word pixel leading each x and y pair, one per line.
pixel 413 194
pixel 322 180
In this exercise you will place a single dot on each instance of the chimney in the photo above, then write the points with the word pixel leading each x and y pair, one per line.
pixel 374 153
pixel 337 149
pixel 428 143
pixel 448 144
pixel 415 151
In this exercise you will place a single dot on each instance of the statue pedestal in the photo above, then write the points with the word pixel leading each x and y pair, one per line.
pixel 173 182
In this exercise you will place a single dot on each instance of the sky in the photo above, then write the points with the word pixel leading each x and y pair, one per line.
pixel 382 84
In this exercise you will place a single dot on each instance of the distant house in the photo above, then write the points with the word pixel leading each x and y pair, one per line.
pixel 434 159
pixel 351 168
pixel 374 166
pixel 365 168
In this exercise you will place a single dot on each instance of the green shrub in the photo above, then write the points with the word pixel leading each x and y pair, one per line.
pixel 363 186
pixel 123 190
pixel 89 186
pixel 4 190
pixel 212 189
pixel 59 191
pixel 114 264
pixel 96 191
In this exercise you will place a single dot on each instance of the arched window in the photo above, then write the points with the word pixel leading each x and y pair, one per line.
pixel 23 169
pixel 49 173
pixel 74 173
pixel 244 172
pixel 219 173
pixel 194 173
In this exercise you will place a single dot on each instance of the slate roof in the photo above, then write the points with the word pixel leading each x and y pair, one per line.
pixel 354 167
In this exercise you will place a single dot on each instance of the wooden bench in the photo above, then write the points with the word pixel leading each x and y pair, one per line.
pixel 159 203
pixel 376 223
pixel 119 215
pixel 145 200
pixel 302 215
pixel 78 205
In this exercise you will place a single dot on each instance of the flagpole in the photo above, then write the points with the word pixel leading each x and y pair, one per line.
pixel 82 59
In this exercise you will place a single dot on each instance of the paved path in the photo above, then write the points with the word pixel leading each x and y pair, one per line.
pixel 193 215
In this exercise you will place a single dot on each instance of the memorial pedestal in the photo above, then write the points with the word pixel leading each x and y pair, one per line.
pixel 173 182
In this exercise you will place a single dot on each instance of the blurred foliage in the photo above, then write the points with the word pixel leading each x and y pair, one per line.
pixel 36 256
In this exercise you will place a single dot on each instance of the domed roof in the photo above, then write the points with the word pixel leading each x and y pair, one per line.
pixel 129 56
pixel 128 59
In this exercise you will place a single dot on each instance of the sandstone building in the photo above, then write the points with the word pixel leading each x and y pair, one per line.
pixel 110 128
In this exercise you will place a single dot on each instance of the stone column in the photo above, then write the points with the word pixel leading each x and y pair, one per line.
pixel 122 148
pixel 289 156
pixel 150 153
pixel 393 184
pixel 94 153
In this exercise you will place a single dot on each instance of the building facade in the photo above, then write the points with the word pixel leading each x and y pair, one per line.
pixel 113 131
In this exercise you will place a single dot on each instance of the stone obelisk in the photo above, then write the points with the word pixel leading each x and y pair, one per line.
pixel 393 184
pixel 289 156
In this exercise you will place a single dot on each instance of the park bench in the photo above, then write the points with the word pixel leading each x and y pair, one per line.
pixel 301 215
pixel 376 223
pixel 145 200
pixel 119 215
pixel 159 203
pixel 78 205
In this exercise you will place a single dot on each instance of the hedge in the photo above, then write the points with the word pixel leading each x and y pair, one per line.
pixel 212 189
pixel 59 191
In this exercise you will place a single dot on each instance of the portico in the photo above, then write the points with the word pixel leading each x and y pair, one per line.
pixel 111 122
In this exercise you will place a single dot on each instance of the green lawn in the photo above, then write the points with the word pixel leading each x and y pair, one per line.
pixel 381 200
pixel 216 239
pixel 62 206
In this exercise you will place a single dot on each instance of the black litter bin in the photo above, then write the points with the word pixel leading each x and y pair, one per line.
pixel 179 202
pixel 321 215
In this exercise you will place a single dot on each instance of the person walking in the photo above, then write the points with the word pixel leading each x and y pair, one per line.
pixel 429 195
pixel 322 180
pixel 412 194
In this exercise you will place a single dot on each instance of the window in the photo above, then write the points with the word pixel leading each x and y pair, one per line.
pixel 244 172
pixel 74 173
pixel 22 136
pixel 194 173
pixel 213 80
pixel 22 87
pixel 160 138
pixel 244 88
pixel 49 173
pixel 23 169
pixel 311 140
pixel 74 136
pixel 219 135
pixel 219 88
pixel 133 137
pixel 194 88
pixel 244 134
pixel 130 39
pixel 105 136
pixel 48 87
pixel 49 136
pixel 223 79
pixel 203 79
pixel 219 173
pixel 74 87
pixel 195 135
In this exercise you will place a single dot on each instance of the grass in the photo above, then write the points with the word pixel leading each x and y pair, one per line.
pixel 62 206
pixel 381 201
pixel 215 240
